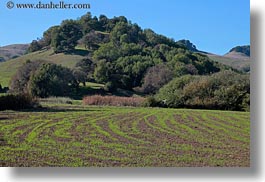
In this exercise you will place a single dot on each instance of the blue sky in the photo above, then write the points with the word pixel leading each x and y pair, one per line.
pixel 212 25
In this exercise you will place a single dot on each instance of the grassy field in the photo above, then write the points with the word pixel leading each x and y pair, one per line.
pixel 76 135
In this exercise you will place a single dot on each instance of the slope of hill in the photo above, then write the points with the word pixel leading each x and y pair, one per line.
pixel 12 51
pixel 234 60
pixel 242 49
pixel 9 68
pixel 238 58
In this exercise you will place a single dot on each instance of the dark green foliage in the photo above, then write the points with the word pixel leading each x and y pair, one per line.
pixel 103 71
pixel 3 89
pixel 34 46
pixel 150 102
pixel 20 81
pixel 186 43
pixel 87 66
pixel 242 49
pixel 226 90
pixel 92 39
pixel 51 80
pixel 171 95
pixel 49 34
pixel 66 37
pixel 17 102
pixel 79 76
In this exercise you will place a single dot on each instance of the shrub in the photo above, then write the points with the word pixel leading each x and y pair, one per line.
pixel 51 80
pixel 171 95
pixel 113 101
pixel 17 102
pixel 225 90
pixel 20 81
pixel 150 102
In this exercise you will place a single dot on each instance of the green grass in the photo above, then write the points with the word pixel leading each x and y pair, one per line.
pixel 76 135
pixel 9 68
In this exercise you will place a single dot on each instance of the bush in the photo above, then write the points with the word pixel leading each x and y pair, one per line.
pixel 113 101
pixel 225 90
pixel 17 102
pixel 171 95
pixel 151 102
pixel 51 80
pixel 20 81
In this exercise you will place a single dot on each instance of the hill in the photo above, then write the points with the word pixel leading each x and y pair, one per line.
pixel 122 52
pixel 9 68
pixel 238 58
pixel 242 49
pixel 12 51
pixel 235 60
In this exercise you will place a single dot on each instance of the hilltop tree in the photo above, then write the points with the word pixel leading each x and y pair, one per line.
pixel 66 37
pixel 92 39
pixel 49 34
pixel 34 46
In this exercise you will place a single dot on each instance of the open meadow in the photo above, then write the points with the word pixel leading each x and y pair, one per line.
pixel 78 136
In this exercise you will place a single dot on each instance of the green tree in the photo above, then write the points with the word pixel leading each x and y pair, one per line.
pixel 66 37
pixel 51 80
pixel 49 34
pixel 20 81
pixel 103 71
pixel 34 46
pixel 87 66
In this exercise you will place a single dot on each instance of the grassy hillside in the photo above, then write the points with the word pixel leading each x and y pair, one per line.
pixel 235 61
pixel 9 68
pixel 72 135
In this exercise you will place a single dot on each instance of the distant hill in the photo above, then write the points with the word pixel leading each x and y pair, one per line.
pixel 12 51
pixel 241 49
pixel 238 57
pixel 233 60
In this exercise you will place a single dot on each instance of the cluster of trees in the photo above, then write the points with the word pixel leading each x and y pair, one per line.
pixel 122 53
pixel 44 79
pixel 225 90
